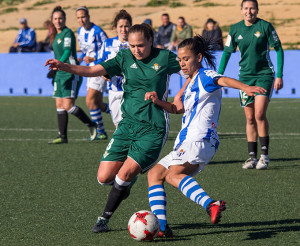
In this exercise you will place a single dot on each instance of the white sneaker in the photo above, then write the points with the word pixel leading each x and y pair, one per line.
pixel 250 163
pixel 263 162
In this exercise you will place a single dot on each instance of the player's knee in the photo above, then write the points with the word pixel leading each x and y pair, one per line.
pixel 104 181
pixel 260 116
pixel 250 120
pixel 153 176
pixel 171 178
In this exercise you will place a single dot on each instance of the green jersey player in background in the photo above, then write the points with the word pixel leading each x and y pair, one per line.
pixel 141 134
pixel 66 85
pixel 253 36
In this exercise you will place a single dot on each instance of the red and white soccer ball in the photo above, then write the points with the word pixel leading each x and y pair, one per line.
pixel 143 226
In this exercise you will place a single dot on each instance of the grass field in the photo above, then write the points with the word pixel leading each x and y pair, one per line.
pixel 50 195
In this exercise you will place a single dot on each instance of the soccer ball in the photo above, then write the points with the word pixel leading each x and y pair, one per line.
pixel 143 226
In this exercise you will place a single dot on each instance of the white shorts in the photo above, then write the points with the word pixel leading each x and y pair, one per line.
pixel 96 83
pixel 114 99
pixel 196 153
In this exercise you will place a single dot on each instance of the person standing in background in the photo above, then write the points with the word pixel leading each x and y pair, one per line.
pixel 253 36
pixel 213 32
pixel 180 33
pixel 66 85
pixel 164 32
pixel 91 38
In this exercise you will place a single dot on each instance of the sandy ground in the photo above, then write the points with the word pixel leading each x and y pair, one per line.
pixel 284 14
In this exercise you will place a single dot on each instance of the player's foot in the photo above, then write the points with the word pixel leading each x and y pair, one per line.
pixel 215 209
pixel 107 110
pixel 263 162
pixel 93 131
pixel 250 163
pixel 58 140
pixel 101 225
pixel 166 233
pixel 129 187
pixel 100 136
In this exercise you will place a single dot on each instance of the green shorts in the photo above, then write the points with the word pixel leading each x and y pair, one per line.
pixel 264 82
pixel 67 85
pixel 141 142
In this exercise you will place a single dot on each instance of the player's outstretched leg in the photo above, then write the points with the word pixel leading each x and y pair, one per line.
pixel 115 197
pixel 80 114
pixel 158 203
pixel 191 189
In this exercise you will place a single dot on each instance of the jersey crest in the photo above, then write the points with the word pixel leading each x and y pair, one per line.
pixel 156 67
pixel 59 41
pixel 257 34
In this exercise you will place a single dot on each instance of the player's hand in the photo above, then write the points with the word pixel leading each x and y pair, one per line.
pixel 54 64
pixel 278 84
pixel 88 59
pixel 251 90
pixel 79 59
pixel 105 78
pixel 152 96
pixel 16 45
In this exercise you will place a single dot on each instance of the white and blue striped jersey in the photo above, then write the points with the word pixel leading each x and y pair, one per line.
pixel 26 38
pixel 109 50
pixel 202 103
pixel 90 41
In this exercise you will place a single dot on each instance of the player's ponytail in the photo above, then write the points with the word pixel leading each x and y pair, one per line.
pixel 200 45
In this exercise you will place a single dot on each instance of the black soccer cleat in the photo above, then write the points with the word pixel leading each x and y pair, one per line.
pixel 101 225
pixel 167 233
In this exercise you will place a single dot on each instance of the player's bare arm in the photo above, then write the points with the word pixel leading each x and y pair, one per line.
pixel 233 83
pixel 85 71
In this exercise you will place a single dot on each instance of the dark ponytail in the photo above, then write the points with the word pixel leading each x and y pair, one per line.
pixel 144 29
pixel 200 45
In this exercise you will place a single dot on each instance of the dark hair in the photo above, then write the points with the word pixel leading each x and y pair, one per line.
pixel 145 29
pixel 84 8
pixel 58 9
pixel 180 17
pixel 166 14
pixel 200 45
pixel 122 15
pixel 254 1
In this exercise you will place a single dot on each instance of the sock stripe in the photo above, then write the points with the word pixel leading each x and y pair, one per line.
pixel 158 193
pixel 155 202
pixel 183 181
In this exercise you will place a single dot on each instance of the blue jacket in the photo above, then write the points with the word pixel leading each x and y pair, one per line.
pixel 26 38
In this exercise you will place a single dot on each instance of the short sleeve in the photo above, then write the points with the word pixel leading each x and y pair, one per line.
pixel 273 38
pixel 113 66
pixel 173 64
pixel 209 78
pixel 230 44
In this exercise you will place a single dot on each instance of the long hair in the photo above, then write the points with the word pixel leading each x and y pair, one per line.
pixel 58 9
pixel 200 45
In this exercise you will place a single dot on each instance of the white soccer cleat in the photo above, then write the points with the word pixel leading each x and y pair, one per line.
pixel 263 162
pixel 250 163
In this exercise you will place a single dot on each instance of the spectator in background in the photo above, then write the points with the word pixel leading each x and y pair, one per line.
pixel 164 32
pixel 149 22
pixel 212 32
pixel 26 39
pixel 182 32
pixel 46 45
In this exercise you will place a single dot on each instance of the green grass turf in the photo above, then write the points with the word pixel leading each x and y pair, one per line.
pixel 50 196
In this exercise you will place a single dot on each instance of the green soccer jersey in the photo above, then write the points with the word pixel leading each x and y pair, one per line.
pixel 141 76
pixel 65 41
pixel 253 42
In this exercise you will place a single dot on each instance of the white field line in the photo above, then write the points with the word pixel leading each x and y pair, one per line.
pixel 175 132
pixel 85 139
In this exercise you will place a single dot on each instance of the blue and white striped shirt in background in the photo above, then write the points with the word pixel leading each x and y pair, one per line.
pixel 108 51
pixel 90 41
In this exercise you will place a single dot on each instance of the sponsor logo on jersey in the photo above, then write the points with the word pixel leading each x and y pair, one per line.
pixel 275 36
pixel 67 42
pixel 257 34
pixel 156 67
pixel 58 40
pixel 228 41
pixel 240 37
pixel 133 66
pixel 211 73
pixel 181 152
